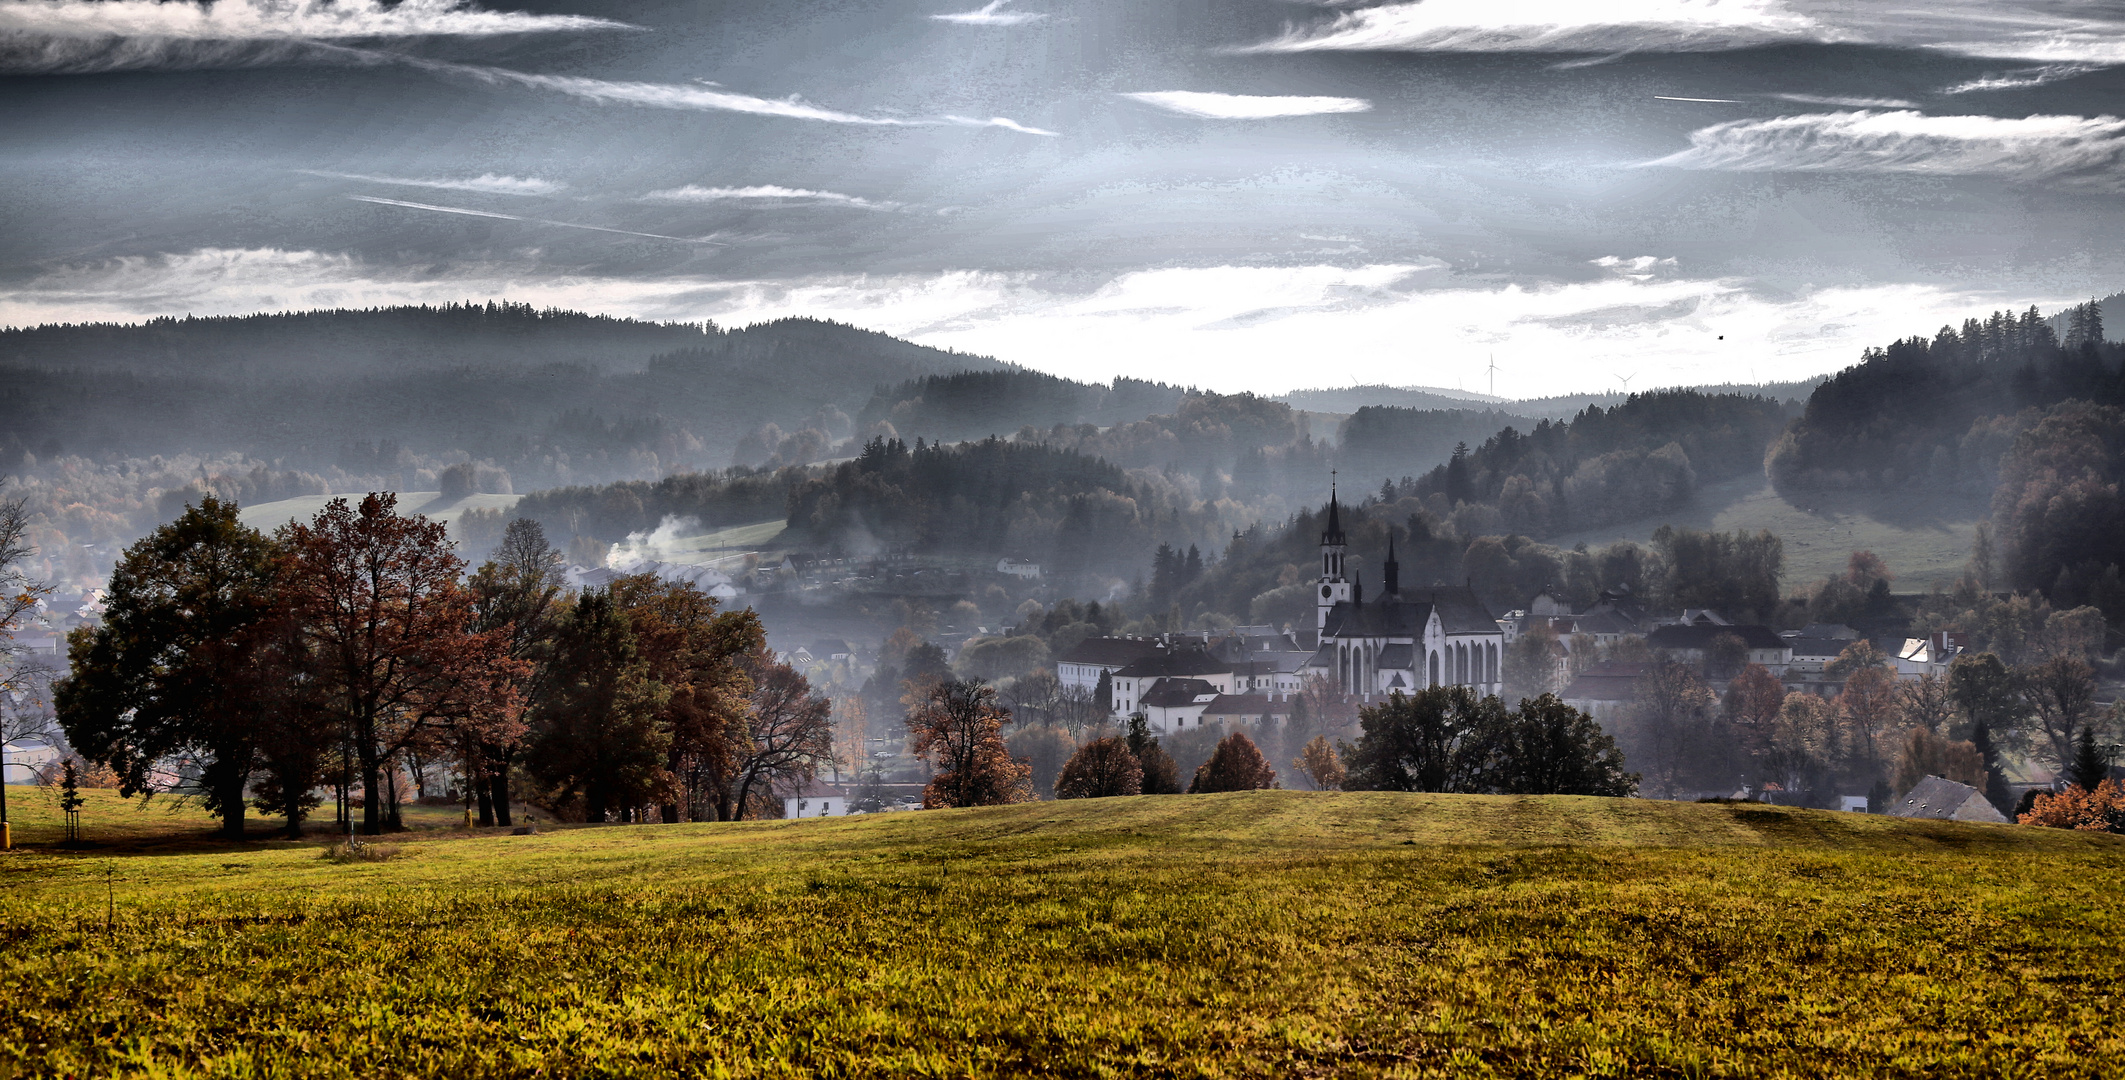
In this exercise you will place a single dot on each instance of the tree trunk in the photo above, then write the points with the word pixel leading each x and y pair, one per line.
pixel 502 789
pixel 372 793
pixel 483 790
pixel 232 808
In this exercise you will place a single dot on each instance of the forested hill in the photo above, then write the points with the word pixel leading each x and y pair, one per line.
pixel 550 396
pixel 1938 414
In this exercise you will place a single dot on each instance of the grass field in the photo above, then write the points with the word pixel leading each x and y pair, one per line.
pixel 267 517
pixel 1258 934
pixel 1924 538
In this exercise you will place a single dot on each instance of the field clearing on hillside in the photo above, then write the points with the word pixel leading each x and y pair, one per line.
pixel 1256 934
pixel 738 538
pixel 267 517
pixel 1924 538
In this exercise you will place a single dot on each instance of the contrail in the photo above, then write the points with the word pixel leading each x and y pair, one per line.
pixel 512 217
pixel 1706 100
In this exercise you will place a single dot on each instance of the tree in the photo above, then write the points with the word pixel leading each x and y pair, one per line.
pixel 789 731
pixel 1531 663
pixel 1926 702
pixel 1801 750
pixel 19 594
pixel 1726 655
pixel 1318 763
pixel 176 668
pixel 2089 766
pixel 1985 690
pixel 1551 748
pixel 1752 704
pixel 955 727
pixel 390 631
pixel 1161 774
pixel 1045 749
pixel 1926 753
pixel 1103 694
pixel 1668 731
pixel 1995 778
pixel 1236 765
pixel 2059 694
pixel 516 592
pixel 594 742
pixel 1869 706
pixel 1101 769
pixel 2099 810
pixel 1433 740
pixel 697 655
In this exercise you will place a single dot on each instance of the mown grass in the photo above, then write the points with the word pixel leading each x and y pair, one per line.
pixel 1257 934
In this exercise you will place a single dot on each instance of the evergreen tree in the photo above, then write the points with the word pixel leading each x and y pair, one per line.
pixel 2089 767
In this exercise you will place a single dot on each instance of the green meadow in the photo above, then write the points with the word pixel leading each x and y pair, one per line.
pixel 1255 934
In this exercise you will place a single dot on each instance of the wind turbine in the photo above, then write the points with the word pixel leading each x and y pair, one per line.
pixel 1626 381
pixel 1493 370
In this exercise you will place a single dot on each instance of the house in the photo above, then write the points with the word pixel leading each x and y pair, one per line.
pixel 833 649
pixel 1081 665
pixel 1946 800
pixel 1606 690
pixel 1436 636
pixel 1019 569
pixel 1133 682
pixel 815 800
pixel 1916 658
pixel 1255 709
pixel 1169 704
pixel 1692 642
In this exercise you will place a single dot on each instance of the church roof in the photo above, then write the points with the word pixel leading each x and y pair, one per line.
pixel 1398 658
pixel 1178 663
pixel 1459 613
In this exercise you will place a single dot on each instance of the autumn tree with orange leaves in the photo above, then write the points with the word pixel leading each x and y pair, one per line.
pixel 955 727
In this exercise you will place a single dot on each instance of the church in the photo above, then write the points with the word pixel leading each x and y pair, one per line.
pixel 1404 640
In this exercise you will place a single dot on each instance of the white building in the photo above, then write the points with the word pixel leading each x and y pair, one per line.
pixel 816 800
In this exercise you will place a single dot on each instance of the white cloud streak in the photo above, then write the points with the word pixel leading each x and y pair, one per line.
pixel 692 193
pixel 265 20
pixel 1223 327
pixel 513 217
pixel 1555 26
pixel 991 14
pixel 2021 80
pixel 1245 106
pixel 2070 149
pixel 700 97
pixel 485 183
pixel 2039 31
pixel 1847 102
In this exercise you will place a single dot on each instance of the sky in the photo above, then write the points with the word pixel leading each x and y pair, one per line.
pixel 1507 196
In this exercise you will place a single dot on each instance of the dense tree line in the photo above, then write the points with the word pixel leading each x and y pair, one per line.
pixel 351 652
pixel 1937 415
pixel 976 404
pixel 2056 514
pixel 1449 739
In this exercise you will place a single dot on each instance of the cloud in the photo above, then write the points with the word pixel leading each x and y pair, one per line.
pixel 1556 26
pixel 2021 80
pixel 1847 102
pixel 992 14
pixel 1245 106
pixel 1222 327
pixel 2073 149
pixel 512 217
pixel 259 20
pixel 2042 31
pixel 1641 268
pixel 485 183
pixel 698 97
pixel 695 194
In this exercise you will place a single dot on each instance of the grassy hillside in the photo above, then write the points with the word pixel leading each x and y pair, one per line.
pixel 1259 934
pixel 1925 537
pixel 272 515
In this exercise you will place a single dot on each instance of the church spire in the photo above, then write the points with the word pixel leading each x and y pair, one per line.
pixel 1334 533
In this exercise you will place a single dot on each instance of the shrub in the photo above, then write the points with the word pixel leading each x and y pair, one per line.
pixel 2101 810
pixel 1236 765
pixel 1101 769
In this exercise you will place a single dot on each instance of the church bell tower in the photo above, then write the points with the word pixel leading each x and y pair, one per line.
pixel 1334 585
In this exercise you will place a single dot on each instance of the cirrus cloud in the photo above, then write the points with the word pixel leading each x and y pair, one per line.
pixel 485 183
pixel 692 193
pixel 991 14
pixel 1209 106
pixel 2079 150
pixel 264 20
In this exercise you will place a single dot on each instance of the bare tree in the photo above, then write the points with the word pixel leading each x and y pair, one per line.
pixel 25 704
pixel 789 731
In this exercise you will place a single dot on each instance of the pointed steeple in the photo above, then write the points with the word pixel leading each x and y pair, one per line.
pixel 1393 569
pixel 1333 534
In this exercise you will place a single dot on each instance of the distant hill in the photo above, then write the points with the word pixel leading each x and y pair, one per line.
pixel 553 396
pixel 1342 399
